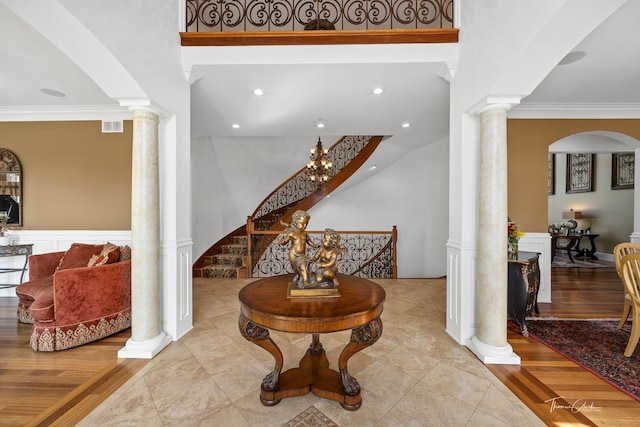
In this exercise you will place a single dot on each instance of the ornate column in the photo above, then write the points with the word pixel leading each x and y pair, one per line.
pixel 147 337
pixel 490 343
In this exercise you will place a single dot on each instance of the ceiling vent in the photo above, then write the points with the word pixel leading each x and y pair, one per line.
pixel 112 126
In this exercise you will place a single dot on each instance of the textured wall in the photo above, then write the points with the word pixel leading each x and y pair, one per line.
pixel 74 176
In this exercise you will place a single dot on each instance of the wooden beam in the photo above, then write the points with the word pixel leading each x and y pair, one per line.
pixel 320 37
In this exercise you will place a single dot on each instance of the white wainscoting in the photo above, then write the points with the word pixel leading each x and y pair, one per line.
pixel 52 241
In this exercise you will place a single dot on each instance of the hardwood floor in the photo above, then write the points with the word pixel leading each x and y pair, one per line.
pixel 544 374
pixel 57 388
pixel 60 388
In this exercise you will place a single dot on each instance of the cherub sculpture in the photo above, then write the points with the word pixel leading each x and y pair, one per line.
pixel 297 235
pixel 326 257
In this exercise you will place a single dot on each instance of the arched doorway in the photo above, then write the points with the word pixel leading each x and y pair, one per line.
pixel 607 209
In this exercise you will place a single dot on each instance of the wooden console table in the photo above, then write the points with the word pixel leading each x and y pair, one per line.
pixel 524 284
pixel 11 251
pixel 264 304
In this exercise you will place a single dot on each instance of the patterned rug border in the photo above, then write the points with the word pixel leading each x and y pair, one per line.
pixel 561 261
pixel 310 417
pixel 588 319
pixel 574 360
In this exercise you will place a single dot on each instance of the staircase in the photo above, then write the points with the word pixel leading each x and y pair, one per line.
pixel 230 264
pixel 229 258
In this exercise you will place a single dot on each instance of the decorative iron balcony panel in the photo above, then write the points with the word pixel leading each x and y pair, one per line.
pixel 298 15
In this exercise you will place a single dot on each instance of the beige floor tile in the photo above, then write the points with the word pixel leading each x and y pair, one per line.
pixel 397 418
pixel 134 408
pixel 414 375
pixel 192 404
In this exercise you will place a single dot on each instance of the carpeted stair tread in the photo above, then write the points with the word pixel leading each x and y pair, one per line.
pixel 219 271
pixel 231 260
pixel 234 249
pixel 240 240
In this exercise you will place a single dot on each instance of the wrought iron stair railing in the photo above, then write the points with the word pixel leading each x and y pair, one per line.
pixel 368 254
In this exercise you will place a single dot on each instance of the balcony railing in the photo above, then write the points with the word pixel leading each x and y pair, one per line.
pixel 298 15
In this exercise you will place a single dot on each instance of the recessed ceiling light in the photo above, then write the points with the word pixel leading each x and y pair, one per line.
pixel 258 92
pixel 235 126
pixel 52 92
pixel 377 91
pixel 572 57
pixel 372 168
pixel 406 124
pixel 320 124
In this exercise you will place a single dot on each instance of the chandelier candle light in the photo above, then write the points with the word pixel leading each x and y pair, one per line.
pixel 318 167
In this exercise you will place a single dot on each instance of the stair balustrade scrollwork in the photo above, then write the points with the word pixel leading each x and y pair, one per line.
pixel 293 15
pixel 368 254
pixel 299 186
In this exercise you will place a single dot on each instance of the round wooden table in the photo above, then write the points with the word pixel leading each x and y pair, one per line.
pixel 264 305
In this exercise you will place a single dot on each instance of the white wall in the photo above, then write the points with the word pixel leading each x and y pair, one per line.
pixel 409 189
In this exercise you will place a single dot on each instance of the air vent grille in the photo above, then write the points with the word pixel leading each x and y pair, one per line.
pixel 112 126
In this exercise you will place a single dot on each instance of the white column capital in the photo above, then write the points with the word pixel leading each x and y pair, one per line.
pixel 144 105
pixel 495 102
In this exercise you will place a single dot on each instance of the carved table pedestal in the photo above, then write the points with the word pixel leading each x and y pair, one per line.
pixel 264 305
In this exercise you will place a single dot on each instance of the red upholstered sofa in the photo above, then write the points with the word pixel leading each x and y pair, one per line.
pixel 77 296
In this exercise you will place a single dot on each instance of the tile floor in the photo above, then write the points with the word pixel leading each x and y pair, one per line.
pixel 415 375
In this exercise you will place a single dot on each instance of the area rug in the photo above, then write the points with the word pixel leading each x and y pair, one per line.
pixel 565 262
pixel 596 345
pixel 310 417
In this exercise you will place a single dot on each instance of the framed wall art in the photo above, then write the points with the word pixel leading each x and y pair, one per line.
pixel 622 170
pixel 580 172
pixel 551 185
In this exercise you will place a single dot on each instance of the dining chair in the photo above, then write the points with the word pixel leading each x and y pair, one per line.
pixel 631 280
pixel 619 251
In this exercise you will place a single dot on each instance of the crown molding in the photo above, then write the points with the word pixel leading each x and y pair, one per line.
pixel 64 113
pixel 535 110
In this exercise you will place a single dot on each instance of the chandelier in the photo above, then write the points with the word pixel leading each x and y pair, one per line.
pixel 318 167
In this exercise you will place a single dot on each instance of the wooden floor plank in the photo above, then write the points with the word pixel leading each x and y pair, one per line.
pixel 55 388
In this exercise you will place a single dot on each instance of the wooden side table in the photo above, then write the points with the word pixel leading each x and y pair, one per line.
pixel 584 252
pixel 572 240
pixel 264 305
pixel 524 284
pixel 11 251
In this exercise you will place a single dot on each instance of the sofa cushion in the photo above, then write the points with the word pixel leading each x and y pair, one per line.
pixel 109 254
pixel 32 289
pixel 40 291
pixel 125 253
pixel 78 255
